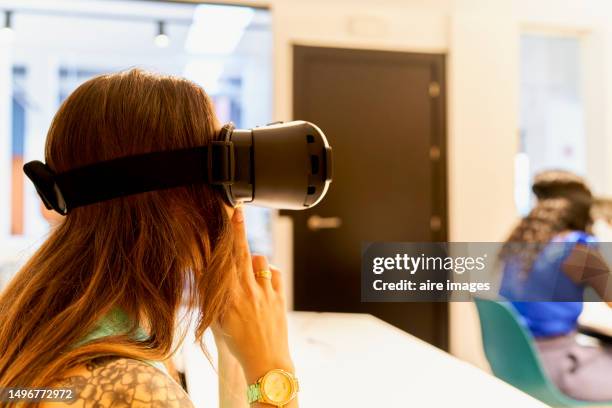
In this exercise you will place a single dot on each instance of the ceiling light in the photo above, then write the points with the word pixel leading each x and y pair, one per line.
pixel 6 32
pixel 161 39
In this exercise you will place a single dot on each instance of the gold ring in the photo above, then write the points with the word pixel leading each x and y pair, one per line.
pixel 266 274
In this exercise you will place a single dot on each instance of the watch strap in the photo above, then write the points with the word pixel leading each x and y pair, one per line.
pixel 253 393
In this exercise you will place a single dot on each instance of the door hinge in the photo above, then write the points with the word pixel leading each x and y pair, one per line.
pixel 434 153
pixel 435 223
pixel 434 89
pixel 316 222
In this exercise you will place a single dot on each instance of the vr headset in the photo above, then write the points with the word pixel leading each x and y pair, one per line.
pixel 281 165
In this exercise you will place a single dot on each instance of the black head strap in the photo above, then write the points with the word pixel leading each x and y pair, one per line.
pixel 212 164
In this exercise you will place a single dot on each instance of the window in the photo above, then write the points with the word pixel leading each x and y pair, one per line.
pixel 552 128
pixel 56 47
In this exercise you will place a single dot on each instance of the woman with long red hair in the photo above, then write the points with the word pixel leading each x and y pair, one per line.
pixel 96 309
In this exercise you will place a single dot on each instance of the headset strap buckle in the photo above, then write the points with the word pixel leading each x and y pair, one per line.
pixel 46 186
pixel 221 163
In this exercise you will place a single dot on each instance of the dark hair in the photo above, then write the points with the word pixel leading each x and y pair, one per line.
pixel 564 203
pixel 560 183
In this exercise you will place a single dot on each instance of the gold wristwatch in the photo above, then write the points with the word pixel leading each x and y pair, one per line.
pixel 278 387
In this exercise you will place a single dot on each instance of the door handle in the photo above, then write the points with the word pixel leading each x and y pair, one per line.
pixel 316 222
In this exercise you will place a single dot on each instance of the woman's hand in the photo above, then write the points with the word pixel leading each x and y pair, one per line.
pixel 255 324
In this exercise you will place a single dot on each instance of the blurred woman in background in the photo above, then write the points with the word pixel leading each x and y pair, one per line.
pixel 549 259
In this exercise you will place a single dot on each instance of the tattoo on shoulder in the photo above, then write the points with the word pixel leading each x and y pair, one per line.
pixel 125 383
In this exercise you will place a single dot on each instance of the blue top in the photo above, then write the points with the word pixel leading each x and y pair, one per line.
pixel 546 280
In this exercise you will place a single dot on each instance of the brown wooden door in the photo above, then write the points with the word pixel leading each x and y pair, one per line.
pixel 383 113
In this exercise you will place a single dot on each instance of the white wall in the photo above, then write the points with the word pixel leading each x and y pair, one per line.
pixel 483 139
pixel 483 121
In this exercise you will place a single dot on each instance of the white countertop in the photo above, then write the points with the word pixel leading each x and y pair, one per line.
pixel 357 360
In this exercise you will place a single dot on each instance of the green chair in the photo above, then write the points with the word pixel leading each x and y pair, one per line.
pixel 513 356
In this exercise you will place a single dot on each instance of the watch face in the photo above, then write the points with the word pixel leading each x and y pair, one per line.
pixel 277 387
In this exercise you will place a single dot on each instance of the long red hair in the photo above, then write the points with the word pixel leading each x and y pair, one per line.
pixel 139 253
